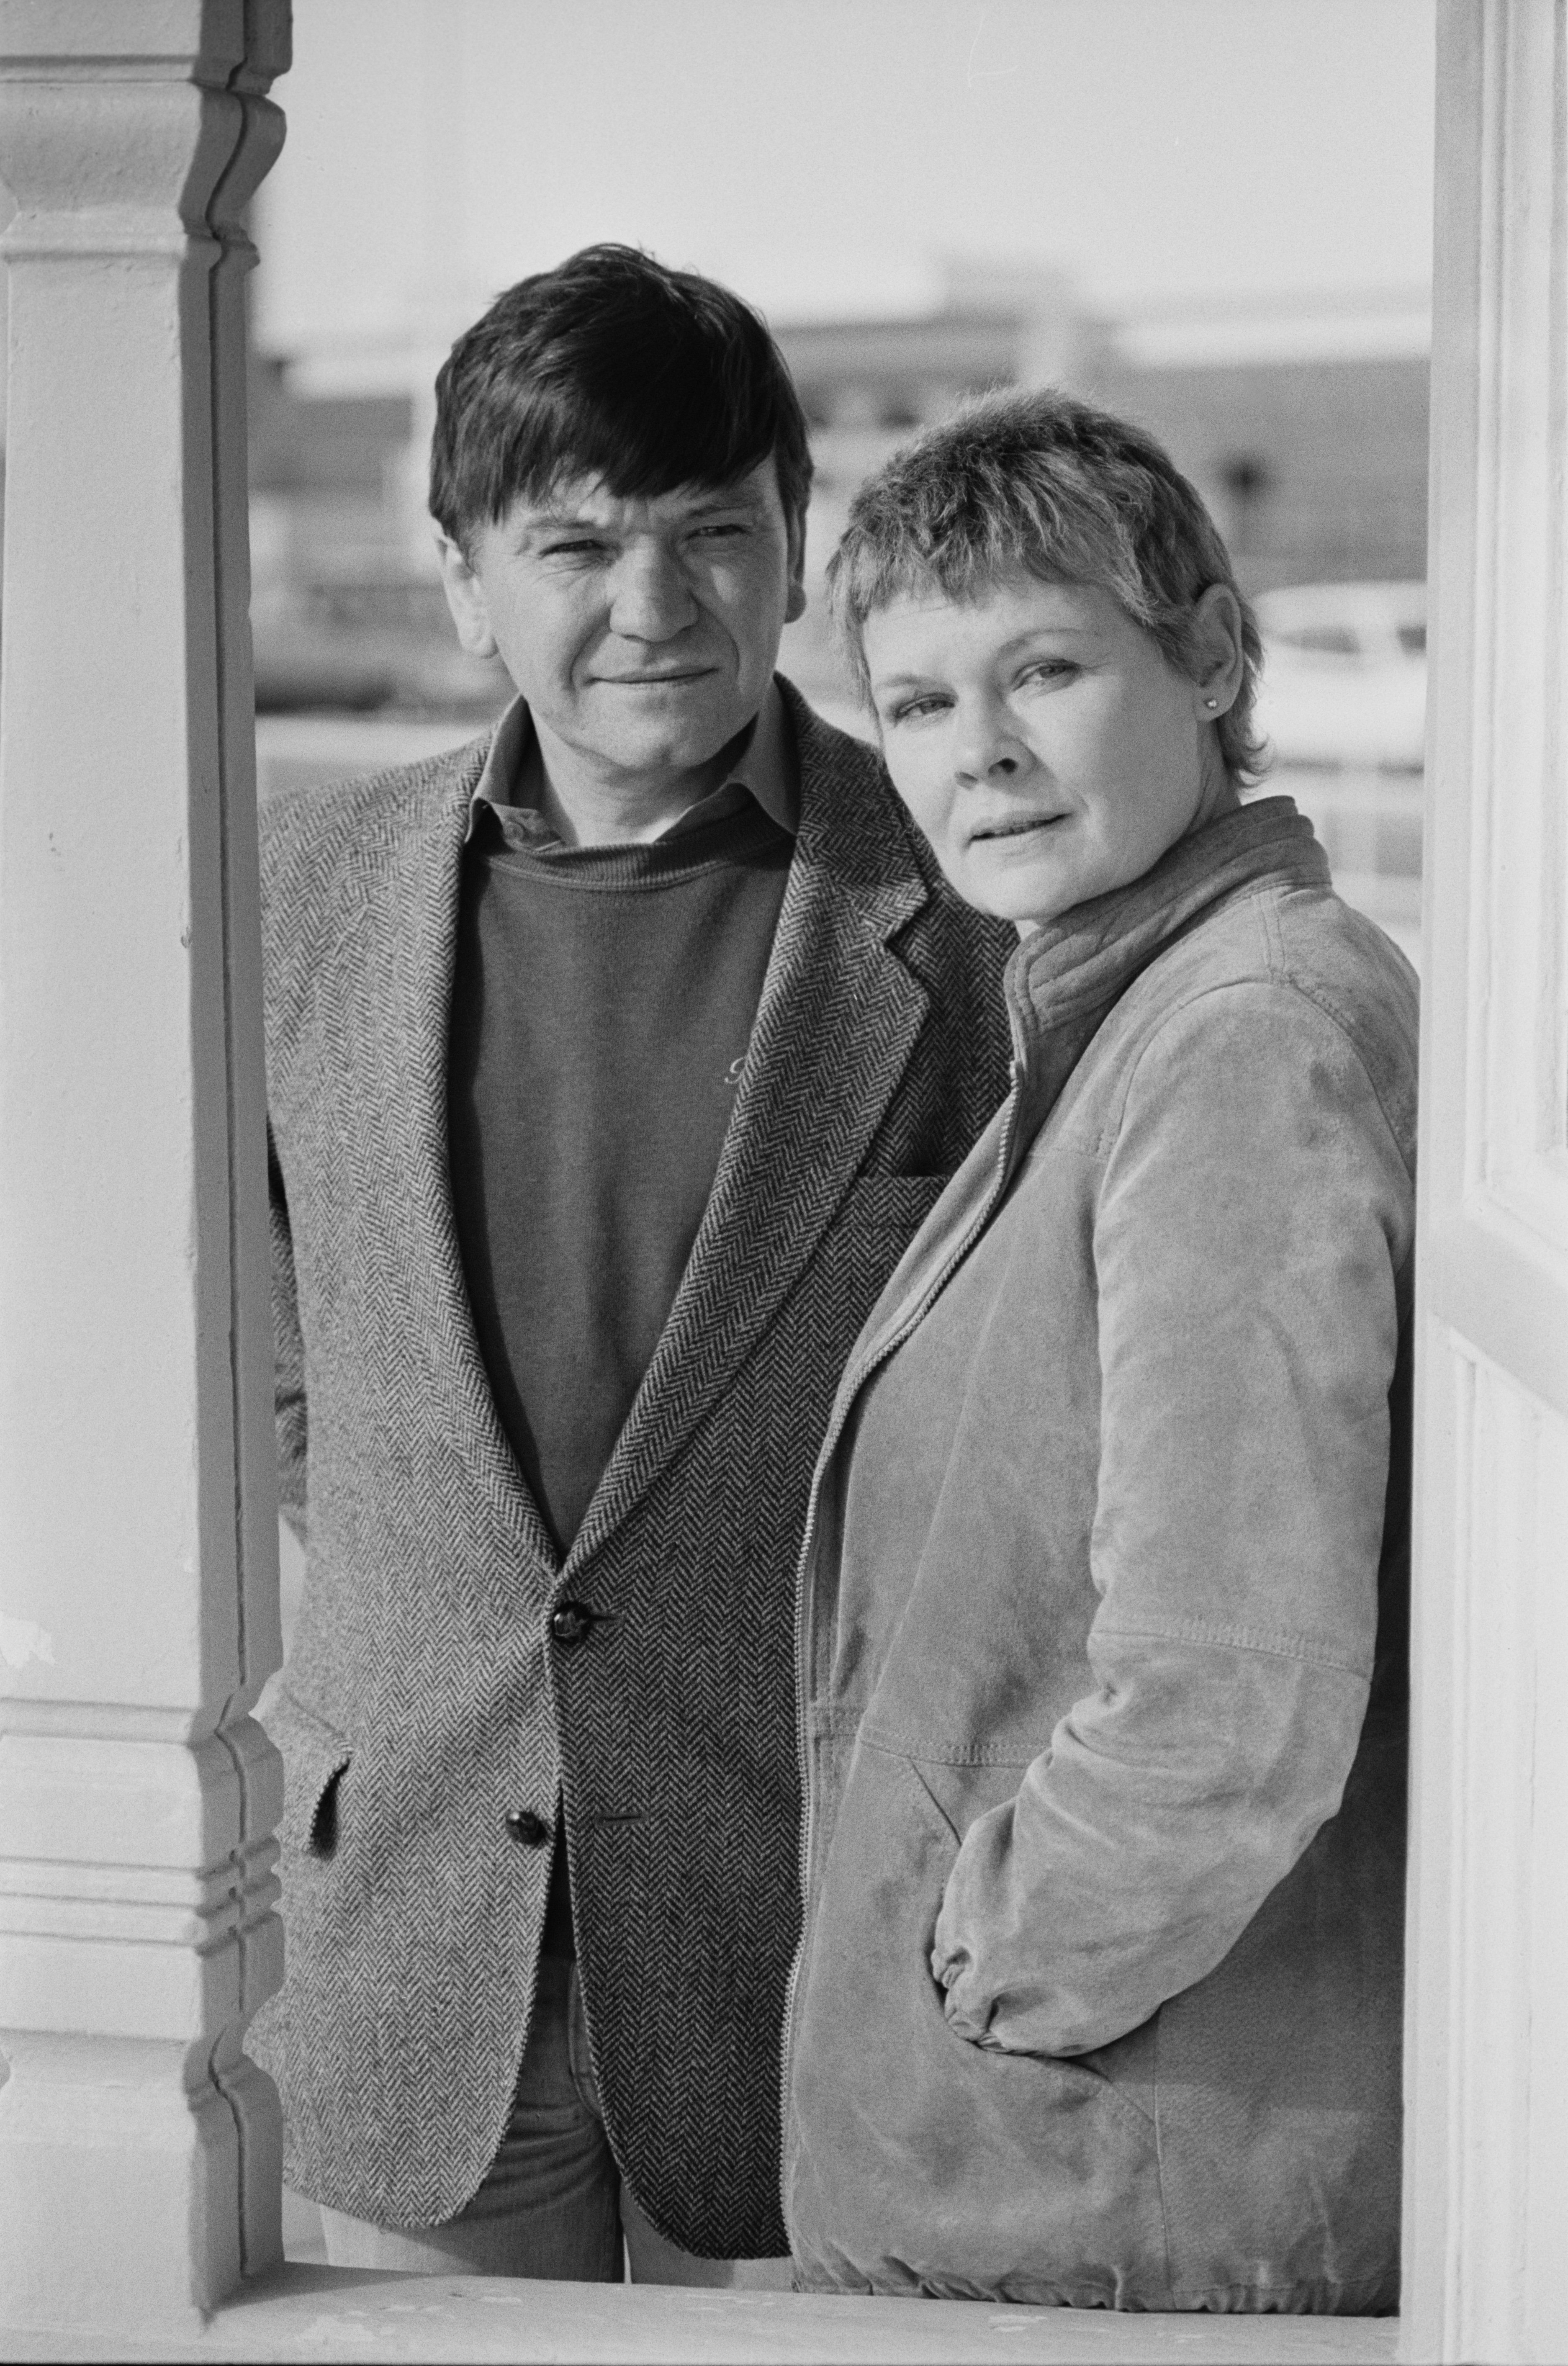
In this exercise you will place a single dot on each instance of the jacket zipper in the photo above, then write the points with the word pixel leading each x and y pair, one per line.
pixel 848 1391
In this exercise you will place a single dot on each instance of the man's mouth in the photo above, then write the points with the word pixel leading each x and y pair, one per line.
pixel 655 680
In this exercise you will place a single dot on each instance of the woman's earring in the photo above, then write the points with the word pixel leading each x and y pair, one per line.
pixel 1211 702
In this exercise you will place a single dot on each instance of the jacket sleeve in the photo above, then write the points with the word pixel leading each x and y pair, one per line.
pixel 1253 1219
pixel 288 1355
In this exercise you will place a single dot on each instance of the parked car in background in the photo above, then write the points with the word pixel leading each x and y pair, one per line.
pixel 1344 674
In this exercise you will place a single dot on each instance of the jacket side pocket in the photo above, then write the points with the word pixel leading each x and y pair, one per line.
pixel 315 1759
pixel 1123 2068
pixel 921 2162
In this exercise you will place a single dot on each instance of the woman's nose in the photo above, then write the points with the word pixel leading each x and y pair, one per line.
pixel 984 748
pixel 650 600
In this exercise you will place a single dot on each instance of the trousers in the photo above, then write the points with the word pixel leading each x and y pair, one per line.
pixel 553 2204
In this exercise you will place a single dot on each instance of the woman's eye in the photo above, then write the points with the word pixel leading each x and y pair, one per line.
pixel 1050 671
pixel 912 710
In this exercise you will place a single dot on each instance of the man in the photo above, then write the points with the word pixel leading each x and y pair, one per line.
pixel 613 1061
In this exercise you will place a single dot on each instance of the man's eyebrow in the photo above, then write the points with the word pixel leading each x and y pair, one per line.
pixel 550 521
pixel 559 521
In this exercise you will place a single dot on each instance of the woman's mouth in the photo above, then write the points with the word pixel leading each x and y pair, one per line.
pixel 1022 826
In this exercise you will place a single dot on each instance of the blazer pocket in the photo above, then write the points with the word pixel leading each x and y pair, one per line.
pixel 315 1758
pixel 899 1190
pixel 894 1206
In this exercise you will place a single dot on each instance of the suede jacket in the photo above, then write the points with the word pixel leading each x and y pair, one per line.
pixel 1102 1637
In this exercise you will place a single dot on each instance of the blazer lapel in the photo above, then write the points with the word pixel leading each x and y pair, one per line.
pixel 410 947
pixel 839 1019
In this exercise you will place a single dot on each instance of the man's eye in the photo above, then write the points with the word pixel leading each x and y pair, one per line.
pixel 709 533
pixel 581 549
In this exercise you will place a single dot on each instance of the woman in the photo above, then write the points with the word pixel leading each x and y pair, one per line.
pixel 1098 2000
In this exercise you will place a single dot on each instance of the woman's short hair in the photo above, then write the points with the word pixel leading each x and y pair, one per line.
pixel 1037 483
pixel 613 367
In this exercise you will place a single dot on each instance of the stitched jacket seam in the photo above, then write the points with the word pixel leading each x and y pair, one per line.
pixel 1207 1635
pixel 893 1742
pixel 1112 1131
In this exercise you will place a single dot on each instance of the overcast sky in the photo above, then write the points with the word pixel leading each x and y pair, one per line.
pixel 824 155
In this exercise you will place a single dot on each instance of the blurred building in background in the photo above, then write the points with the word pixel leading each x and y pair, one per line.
pixel 1303 425
pixel 1303 428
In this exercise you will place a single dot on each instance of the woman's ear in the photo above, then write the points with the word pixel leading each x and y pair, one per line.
pixel 1222 660
pixel 464 598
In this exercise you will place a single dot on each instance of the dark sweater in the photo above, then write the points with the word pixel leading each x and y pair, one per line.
pixel 590 1096
pixel 602 1005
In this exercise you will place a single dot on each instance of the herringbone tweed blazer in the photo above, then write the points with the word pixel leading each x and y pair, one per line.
pixel 425 1696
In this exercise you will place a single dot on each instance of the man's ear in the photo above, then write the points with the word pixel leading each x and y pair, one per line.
pixel 795 602
pixel 465 597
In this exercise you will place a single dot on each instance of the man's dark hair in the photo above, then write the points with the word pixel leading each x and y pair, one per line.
pixel 612 367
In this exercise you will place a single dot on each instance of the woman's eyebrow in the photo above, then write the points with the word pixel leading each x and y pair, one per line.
pixel 1007 649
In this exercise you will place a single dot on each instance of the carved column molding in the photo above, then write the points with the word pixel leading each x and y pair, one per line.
pixel 138 2148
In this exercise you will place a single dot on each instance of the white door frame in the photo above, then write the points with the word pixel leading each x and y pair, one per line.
pixel 1486 2069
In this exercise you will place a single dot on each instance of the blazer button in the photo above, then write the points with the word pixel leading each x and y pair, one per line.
pixel 527 1829
pixel 571 1623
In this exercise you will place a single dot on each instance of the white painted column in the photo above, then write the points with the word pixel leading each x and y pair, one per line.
pixel 1487 2053
pixel 139 2149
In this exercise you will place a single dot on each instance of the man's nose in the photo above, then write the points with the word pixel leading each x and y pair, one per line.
pixel 650 600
